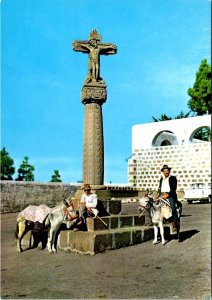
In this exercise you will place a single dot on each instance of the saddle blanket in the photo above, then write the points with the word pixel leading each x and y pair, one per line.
pixel 35 213
pixel 166 210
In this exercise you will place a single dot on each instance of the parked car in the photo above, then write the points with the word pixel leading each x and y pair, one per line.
pixel 198 192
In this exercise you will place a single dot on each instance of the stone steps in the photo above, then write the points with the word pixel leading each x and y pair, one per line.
pixel 96 241
pixel 115 222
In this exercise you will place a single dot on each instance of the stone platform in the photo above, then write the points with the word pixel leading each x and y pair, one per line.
pixel 123 231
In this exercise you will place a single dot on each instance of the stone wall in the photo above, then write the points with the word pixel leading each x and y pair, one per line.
pixel 190 163
pixel 15 196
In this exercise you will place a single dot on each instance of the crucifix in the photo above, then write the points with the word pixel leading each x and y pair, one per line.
pixel 93 95
pixel 94 49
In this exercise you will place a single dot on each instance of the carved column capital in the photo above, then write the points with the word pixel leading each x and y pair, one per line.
pixel 96 93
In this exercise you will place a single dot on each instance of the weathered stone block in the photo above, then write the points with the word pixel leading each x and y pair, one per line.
pixel 139 221
pixel 63 240
pixel 82 241
pixel 122 239
pixel 126 221
pixel 137 237
pixel 114 222
pixel 148 234
pixel 103 242
pixel 103 194
pixel 114 206
pixel 96 224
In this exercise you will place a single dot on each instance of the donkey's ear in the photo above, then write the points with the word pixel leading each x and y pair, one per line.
pixel 65 203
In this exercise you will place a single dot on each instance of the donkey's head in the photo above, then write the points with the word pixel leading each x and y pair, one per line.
pixel 146 202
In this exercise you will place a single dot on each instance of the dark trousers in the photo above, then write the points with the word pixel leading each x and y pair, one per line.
pixel 84 214
pixel 173 207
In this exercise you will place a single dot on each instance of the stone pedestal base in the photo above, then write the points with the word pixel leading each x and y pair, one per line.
pixel 92 242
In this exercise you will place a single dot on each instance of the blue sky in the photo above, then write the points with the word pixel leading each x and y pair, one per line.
pixel 160 46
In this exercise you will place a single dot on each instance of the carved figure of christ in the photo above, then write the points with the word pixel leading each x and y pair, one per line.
pixel 94 50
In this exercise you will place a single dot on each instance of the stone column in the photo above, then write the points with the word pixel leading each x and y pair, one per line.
pixel 93 96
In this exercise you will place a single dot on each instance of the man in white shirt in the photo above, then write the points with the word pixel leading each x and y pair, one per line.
pixel 167 190
pixel 88 204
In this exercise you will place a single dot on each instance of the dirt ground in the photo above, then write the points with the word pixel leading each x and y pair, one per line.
pixel 145 271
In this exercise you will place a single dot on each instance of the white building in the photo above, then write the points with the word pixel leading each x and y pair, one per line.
pixel 172 142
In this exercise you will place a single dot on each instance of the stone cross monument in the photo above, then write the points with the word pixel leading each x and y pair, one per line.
pixel 93 95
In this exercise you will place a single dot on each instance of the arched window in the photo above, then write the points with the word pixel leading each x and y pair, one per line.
pixel 201 134
pixel 164 138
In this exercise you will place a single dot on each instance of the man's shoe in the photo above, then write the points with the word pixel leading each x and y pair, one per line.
pixel 75 229
pixel 174 227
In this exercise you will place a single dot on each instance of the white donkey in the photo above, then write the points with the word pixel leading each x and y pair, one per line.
pixel 60 214
pixel 154 209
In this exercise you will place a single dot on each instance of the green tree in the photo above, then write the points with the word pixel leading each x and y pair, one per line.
pixel 56 177
pixel 200 101
pixel 6 164
pixel 182 115
pixel 25 171
pixel 164 117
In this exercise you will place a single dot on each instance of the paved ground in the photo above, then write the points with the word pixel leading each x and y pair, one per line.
pixel 145 271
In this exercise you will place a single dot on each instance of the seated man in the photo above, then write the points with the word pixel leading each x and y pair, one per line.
pixel 88 204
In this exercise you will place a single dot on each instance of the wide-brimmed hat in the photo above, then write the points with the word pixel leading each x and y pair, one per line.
pixel 165 167
pixel 87 187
